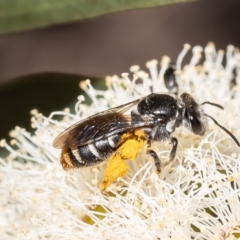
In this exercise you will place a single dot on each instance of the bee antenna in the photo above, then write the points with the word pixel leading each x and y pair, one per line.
pixel 224 129
pixel 213 104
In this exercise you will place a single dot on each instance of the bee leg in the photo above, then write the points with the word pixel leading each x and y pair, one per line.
pixel 156 159
pixel 174 143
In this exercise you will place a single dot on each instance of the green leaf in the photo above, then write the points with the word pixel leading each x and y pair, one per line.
pixel 16 15
pixel 46 92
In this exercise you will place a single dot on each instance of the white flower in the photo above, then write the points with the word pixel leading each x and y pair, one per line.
pixel 196 197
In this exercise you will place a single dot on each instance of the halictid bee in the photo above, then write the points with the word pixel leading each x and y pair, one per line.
pixel 98 137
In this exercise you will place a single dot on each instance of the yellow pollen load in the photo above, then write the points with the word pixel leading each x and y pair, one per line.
pixel 132 143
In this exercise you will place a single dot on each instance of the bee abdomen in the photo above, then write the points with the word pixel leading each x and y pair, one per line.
pixel 91 154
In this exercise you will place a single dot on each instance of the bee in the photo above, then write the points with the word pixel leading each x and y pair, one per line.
pixel 96 138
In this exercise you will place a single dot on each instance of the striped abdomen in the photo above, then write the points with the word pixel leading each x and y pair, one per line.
pixel 91 154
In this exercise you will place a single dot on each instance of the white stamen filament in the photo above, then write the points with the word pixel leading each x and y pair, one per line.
pixel 194 197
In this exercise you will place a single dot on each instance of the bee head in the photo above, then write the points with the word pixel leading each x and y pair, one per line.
pixel 192 114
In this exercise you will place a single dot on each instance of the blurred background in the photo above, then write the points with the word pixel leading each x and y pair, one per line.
pixel 41 68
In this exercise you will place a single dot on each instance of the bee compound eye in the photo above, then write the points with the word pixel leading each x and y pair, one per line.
pixel 197 125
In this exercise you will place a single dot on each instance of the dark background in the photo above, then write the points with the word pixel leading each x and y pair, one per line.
pixel 102 46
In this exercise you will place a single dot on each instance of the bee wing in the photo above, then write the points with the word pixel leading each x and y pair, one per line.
pixel 97 127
